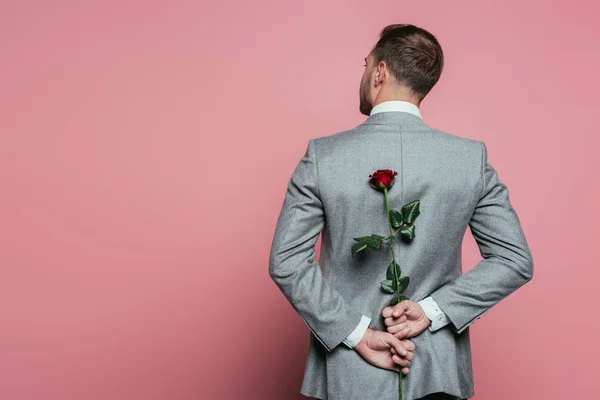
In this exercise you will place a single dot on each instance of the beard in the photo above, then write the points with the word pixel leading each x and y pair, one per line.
pixel 365 106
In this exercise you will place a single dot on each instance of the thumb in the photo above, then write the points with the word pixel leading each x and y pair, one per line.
pixel 400 308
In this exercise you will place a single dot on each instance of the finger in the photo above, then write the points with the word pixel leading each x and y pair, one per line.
pixel 397 328
pixel 392 321
pixel 397 344
pixel 400 308
pixel 410 356
pixel 402 333
pixel 401 361
pixel 397 313
pixel 409 344
pixel 389 310
pixel 404 370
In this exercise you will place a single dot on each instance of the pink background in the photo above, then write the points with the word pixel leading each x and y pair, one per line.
pixel 145 150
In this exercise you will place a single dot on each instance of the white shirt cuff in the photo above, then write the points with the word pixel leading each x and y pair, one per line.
pixel 438 318
pixel 357 334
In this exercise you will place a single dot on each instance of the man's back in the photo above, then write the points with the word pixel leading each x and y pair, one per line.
pixel 441 170
pixel 330 191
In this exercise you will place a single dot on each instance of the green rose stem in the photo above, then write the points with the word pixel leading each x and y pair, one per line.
pixel 396 277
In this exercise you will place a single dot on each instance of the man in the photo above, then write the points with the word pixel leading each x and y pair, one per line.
pixel 358 341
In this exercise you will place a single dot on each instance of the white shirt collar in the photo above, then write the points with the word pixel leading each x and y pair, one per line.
pixel 397 105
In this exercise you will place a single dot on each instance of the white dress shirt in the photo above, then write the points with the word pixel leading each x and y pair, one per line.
pixel 438 318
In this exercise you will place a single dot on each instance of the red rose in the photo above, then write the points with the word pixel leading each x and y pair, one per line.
pixel 382 178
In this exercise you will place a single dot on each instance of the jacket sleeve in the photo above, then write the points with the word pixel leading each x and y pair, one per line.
pixel 507 262
pixel 291 263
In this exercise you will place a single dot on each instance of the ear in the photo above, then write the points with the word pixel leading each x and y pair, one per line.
pixel 378 75
pixel 376 78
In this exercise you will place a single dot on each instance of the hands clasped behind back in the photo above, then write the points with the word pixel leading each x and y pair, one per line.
pixel 392 349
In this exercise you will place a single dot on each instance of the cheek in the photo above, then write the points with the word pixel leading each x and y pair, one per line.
pixel 364 84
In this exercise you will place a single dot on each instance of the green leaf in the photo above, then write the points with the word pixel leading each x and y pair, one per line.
pixel 388 286
pixel 358 239
pixel 358 247
pixel 373 242
pixel 403 297
pixel 411 211
pixel 408 232
pixel 390 271
pixel 395 218
pixel 404 281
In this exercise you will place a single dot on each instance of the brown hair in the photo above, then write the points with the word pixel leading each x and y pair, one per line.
pixel 413 55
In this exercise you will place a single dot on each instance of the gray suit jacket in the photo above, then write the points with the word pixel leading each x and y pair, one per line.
pixel 329 193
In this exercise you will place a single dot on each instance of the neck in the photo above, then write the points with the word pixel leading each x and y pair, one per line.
pixel 398 94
